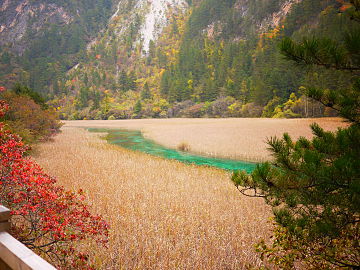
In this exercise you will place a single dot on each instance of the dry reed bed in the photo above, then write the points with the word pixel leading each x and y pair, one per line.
pixel 243 138
pixel 163 214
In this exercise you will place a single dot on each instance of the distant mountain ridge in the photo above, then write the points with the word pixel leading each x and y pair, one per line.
pixel 24 24
pixel 162 58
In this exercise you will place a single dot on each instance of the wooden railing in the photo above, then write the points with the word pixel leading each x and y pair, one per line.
pixel 13 254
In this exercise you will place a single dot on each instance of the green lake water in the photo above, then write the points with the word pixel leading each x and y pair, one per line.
pixel 134 140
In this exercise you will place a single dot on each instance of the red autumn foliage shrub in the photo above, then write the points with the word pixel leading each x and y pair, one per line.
pixel 45 217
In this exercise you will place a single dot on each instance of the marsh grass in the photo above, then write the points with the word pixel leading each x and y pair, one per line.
pixel 243 139
pixel 163 214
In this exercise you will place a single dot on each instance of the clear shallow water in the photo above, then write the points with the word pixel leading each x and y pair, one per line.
pixel 134 140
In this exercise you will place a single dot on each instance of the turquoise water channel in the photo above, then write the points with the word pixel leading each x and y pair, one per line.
pixel 134 140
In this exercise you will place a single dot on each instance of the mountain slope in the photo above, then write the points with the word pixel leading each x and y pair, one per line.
pixel 40 40
pixel 173 58
pixel 145 77
pixel 16 21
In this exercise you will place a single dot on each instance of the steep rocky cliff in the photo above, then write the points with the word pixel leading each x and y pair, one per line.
pixel 23 20
pixel 42 39
pixel 156 18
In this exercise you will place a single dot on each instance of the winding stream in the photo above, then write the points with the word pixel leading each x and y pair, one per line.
pixel 134 140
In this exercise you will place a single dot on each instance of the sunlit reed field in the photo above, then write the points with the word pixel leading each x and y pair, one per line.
pixel 163 214
pixel 243 139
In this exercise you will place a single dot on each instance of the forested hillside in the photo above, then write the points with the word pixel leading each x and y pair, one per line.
pixel 230 49
pixel 41 40
pixel 164 58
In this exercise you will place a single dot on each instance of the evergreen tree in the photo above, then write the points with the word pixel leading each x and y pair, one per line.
pixel 314 185
pixel 211 91
pixel 175 28
pixel 151 53
pixel 162 58
pixel 86 79
pixel 132 81
pixel 137 108
pixel 123 81
pixel 164 84
pixel 146 94
pixel 56 89
pixel 231 89
pixel 244 91
pixel 5 58
pixel 96 78
pixel 114 54
pixel 23 90
pixel 96 99
pixel 83 97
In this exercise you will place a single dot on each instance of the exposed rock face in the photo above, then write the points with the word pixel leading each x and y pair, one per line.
pixel 156 18
pixel 19 18
pixel 153 16
pixel 262 24
pixel 274 19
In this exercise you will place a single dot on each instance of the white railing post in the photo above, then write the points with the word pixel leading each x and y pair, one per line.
pixel 13 254
pixel 4 219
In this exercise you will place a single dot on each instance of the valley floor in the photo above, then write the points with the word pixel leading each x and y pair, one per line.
pixel 164 214
pixel 236 138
